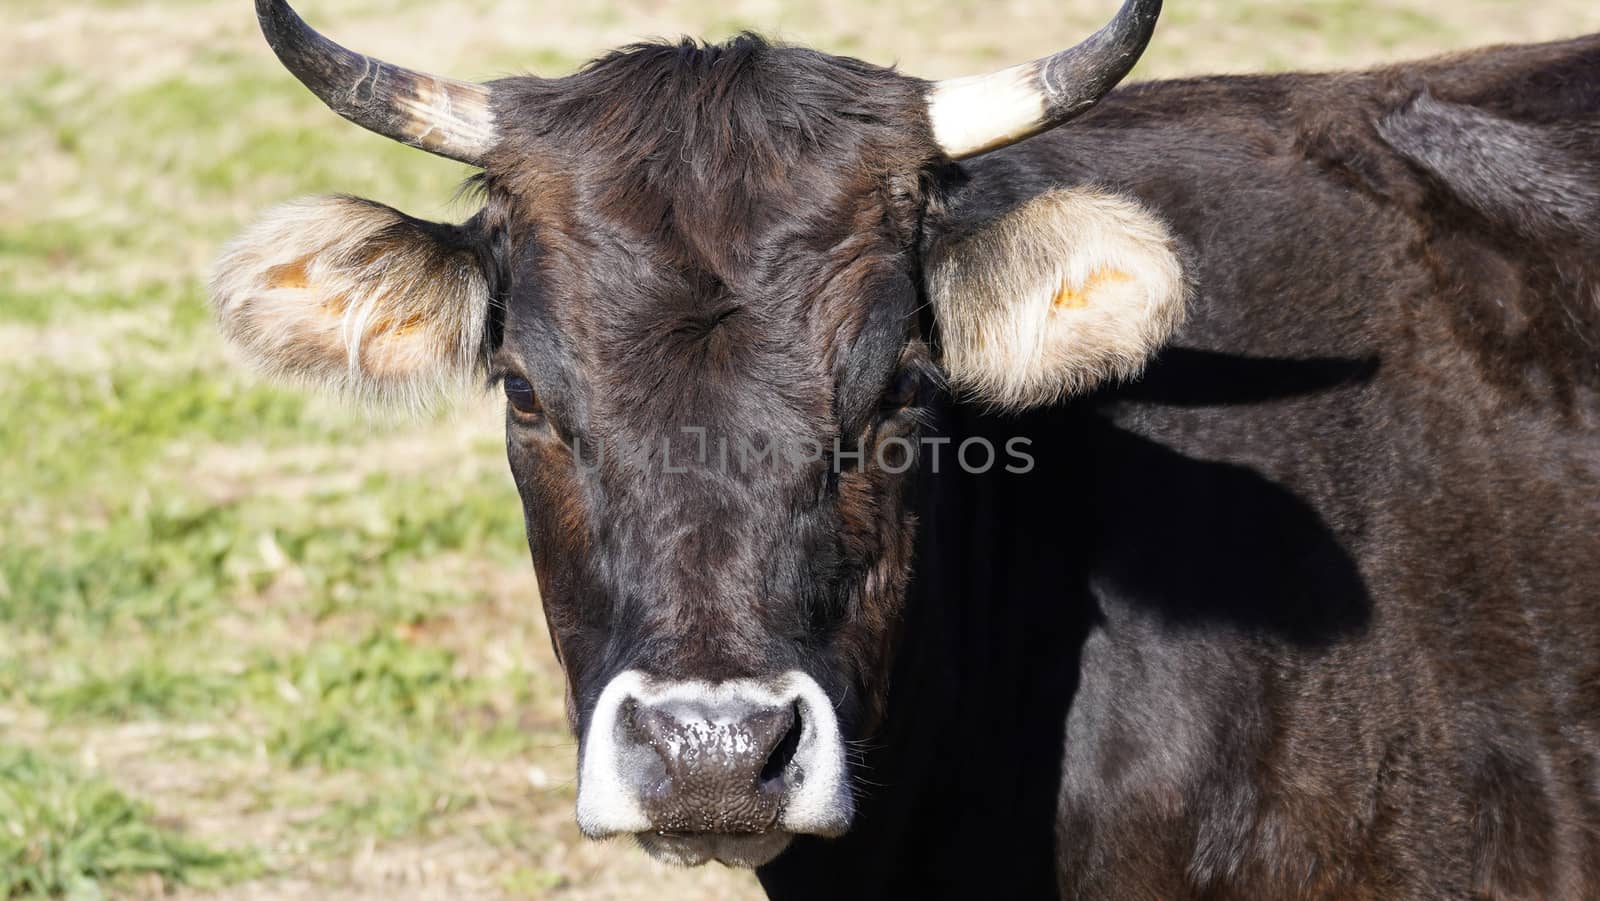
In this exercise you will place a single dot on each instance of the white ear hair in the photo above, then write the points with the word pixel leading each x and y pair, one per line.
pixel 351 294
pixel 1070 289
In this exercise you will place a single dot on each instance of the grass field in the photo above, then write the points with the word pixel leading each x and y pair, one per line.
pixel 255 645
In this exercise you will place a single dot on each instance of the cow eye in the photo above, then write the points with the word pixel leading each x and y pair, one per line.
pixel 903 391
pixel 519 395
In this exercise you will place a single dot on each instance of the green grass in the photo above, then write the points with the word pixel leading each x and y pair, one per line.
pixel 65 834
pixel 152 687
pixel 404 693
pixel 251 639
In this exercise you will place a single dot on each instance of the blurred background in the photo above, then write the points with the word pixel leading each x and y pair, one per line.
pixel 252 644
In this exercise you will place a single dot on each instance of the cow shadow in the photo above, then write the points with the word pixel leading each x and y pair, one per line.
pixel 1191 377
pixel 1205 543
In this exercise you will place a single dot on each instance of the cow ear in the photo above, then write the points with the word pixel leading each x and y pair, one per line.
pixel 346 293
pixel 1068 290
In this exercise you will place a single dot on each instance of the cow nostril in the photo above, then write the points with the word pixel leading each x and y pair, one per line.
pixel 772 772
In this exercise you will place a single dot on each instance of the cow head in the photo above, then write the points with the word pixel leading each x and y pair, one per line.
pixel 698 275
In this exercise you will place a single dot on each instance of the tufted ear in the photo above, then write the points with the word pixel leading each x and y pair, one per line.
pixel 351 294
pixel 1070 289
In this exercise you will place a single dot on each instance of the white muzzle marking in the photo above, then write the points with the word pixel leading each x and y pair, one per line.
pixel 613 771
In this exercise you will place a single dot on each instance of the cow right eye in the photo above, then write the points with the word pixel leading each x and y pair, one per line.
pixel 519 394
pixel 903 391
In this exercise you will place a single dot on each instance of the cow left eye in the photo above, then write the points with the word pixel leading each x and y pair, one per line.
pixel 519 395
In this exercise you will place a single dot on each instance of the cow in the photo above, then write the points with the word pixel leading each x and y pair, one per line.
pixel 1198 500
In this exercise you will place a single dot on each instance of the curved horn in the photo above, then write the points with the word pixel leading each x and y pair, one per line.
pixel 439 115
pixel 980 113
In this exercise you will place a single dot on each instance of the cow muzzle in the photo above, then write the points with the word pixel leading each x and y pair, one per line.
pixel 726 771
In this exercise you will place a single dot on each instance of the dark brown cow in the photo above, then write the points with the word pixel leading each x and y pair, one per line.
pixel 1198 501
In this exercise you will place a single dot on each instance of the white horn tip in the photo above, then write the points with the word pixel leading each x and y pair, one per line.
pixel 983 112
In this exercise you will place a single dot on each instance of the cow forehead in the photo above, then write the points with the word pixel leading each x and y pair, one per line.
pixel 714 224
pixel 716 154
